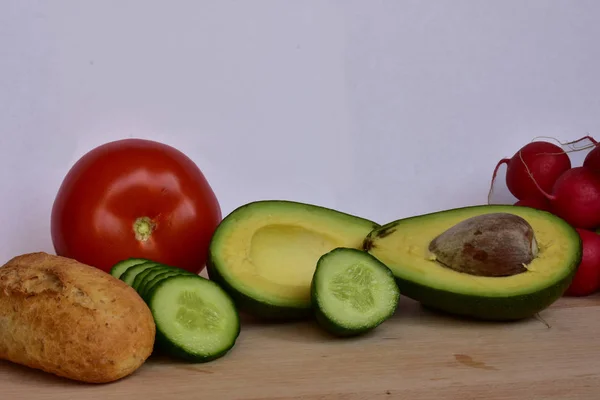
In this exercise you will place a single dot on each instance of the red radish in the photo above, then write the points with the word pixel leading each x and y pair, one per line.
pixel 587 278
pixel 592 159
pixel 576 197
pixel 541 161
pixel 541 203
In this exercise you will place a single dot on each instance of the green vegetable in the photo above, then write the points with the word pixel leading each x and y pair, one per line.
pixel 352 292
pixel 123 265
pixel 264 253
pixel 130 273
pixel 139 278
pixel 152 273
pixel 195 319
pixel 161 275
pixel 495 262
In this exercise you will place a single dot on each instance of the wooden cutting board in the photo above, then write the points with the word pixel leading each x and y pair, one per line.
pixel 417 354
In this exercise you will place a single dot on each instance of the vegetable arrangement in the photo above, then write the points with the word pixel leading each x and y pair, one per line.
pixel 135 221
pixel 195 319
pixel 134 186
pixel 540 175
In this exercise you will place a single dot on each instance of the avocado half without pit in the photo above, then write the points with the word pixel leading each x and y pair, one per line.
pixel 494 262
pixel 265 253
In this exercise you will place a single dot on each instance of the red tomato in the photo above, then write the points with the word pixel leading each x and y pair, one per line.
pixel 135 198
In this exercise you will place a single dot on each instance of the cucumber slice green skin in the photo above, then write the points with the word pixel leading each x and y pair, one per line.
pixel 158 278
pixel 140 277
pixel 330 314
pixel 129 275
pixel 146 276
pixel 171 340
pixel 120 267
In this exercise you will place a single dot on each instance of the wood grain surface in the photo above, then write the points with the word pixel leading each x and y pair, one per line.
pixel 417 354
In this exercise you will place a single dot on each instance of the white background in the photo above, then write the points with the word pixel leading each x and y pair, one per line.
pixel 384 109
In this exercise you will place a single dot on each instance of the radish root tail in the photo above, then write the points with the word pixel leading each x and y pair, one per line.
pixel 573 149
pixel 542 191
pixel 588 137
pixel 491 191
pixel 542 320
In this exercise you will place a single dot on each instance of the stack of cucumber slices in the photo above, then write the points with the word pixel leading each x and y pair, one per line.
pixel 195 319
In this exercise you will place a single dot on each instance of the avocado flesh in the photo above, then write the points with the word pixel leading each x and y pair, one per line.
pixel 265 253
pixel 403 246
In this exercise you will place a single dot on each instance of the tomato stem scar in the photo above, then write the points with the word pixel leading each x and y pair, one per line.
pixel 143 228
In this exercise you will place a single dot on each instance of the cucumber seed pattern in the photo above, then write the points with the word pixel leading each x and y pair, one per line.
pixel 354 287
pixel 194 313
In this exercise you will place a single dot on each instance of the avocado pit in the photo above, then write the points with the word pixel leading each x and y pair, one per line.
pixel 492 245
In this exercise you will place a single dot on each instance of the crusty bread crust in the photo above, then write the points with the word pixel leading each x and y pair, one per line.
pixel 72 320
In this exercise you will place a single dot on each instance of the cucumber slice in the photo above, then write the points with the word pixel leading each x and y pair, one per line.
pixel 145 276
pixel 352 292
pixel 140 277
pixel 195 318
pixel 150 283
pixel 129 275
pixel 120 267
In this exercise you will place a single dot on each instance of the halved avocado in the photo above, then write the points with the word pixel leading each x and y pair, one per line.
pixel 493 262
pixel 265 253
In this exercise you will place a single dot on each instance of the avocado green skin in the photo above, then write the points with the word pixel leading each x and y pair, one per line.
pixel 510 308
pixel 485 308
pixel 330 326
pixel 258 308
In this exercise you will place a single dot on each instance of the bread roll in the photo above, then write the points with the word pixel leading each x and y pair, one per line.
pixel 71 320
